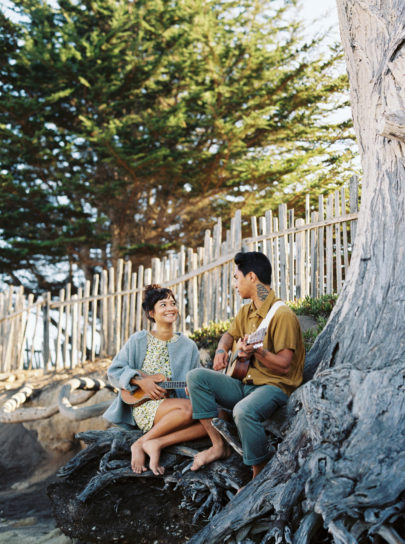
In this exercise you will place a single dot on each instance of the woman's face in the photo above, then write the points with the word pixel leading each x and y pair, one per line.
pixel 165 311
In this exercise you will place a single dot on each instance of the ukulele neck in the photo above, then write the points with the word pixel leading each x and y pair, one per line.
pixel 172 385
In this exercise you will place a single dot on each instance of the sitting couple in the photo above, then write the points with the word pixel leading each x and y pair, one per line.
pixel 274 371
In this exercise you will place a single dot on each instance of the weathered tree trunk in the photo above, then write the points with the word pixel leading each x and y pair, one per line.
pixel 341 464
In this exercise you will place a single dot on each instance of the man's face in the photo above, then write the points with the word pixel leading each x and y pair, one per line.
pixel 242 284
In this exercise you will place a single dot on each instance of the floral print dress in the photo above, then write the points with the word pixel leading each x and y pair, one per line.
pixel 156 362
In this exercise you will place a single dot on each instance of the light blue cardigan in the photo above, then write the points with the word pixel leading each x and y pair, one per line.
pixel 183 356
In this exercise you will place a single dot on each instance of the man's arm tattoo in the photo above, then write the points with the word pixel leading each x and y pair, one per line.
pixel 262 292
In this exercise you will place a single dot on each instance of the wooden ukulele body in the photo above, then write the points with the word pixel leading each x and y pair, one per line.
pixel 138 397
pixel 238 366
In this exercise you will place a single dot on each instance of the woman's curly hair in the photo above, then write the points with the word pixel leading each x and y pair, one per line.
pixel 152 294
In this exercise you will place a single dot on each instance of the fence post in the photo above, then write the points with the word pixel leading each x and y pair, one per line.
pixel 300 261
pixel 47 322
pixel 329 246
pixel 282 214
pixel 58 344
pixel 353 199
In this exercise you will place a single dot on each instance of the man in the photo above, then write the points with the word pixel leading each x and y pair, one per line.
pixel 275 369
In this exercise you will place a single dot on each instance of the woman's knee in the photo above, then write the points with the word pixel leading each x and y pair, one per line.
pixel 187 410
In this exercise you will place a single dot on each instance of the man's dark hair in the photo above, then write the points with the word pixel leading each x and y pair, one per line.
pixel 254 261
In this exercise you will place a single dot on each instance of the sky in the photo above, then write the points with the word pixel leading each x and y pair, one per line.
pixel 321 15
pixel 315 8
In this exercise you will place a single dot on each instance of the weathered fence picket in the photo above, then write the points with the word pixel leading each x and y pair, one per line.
pixel 310 255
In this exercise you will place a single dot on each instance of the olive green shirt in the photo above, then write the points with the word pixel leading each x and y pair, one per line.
pixel 284 332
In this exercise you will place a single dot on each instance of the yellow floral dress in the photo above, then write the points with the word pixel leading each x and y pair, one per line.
pixel 156 362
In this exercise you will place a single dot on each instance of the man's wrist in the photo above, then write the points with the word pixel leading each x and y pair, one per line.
pixel 219 350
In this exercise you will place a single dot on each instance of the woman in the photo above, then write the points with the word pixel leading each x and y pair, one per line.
pixel 164 421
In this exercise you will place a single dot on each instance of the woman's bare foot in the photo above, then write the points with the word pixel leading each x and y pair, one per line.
pixel 138 458
pixel 220 451
pixel 153 449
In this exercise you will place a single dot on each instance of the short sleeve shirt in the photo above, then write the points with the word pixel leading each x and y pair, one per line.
pixel 284 332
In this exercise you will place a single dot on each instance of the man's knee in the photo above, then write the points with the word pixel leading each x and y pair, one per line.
pixel 195 377
pixel 241 413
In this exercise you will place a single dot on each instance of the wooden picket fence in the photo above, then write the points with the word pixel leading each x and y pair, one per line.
pixel 310 256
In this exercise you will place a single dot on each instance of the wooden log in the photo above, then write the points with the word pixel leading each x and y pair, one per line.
pixel 86 412
pixel 11 411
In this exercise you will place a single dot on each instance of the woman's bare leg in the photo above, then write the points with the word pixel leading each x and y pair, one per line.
pixel 154 446
pixel 171 416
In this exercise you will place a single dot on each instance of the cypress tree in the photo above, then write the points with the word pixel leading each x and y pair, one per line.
pixel 134 124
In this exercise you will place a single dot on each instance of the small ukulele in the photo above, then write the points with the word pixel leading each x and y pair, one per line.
pixel 138 397
pixel 238 366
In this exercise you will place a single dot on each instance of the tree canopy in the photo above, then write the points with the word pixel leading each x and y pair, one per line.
pixel 128 126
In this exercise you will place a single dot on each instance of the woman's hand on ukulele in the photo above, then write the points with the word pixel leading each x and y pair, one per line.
pixel 151 388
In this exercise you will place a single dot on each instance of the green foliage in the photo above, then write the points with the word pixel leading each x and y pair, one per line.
pixel 320 309
pixel 138 122
pixel 208 336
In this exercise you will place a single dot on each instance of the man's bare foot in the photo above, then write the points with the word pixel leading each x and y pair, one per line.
pixel 153 449
pixel 212 454
pixel 258 468
pixel 138 458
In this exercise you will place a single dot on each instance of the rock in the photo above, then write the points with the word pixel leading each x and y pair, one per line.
pixel 307 322
pixel 205 358
pixel 20 453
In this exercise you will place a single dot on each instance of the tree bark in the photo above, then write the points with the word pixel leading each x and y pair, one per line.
pixel 340 466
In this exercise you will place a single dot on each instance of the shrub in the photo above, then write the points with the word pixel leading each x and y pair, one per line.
pixel 208 336
pixel 317 307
